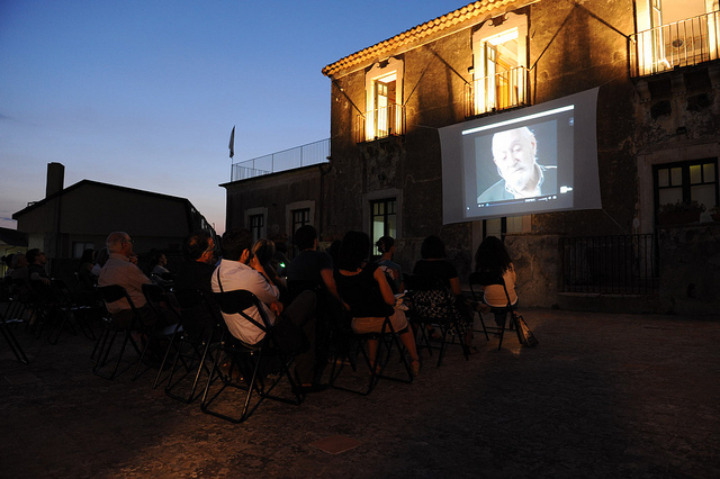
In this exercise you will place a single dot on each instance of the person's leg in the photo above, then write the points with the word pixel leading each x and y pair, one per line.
pixel 400 323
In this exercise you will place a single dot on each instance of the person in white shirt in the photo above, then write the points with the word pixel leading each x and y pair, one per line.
pixel 239 270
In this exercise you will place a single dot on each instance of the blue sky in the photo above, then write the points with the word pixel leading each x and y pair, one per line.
pixel 144 93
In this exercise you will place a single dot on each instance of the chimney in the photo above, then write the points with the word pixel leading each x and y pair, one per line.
pixel 55 178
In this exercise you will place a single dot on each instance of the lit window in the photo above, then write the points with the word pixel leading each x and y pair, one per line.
pixel 674 33
pixel 500 72
pixel 384 115
pixel 686 182
pixel 384 219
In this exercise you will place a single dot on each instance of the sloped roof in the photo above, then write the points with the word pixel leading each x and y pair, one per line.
pixel 417 34
pixel 82 183
pixel 13 237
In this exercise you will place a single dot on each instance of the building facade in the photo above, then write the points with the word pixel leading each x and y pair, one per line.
pixel 655 65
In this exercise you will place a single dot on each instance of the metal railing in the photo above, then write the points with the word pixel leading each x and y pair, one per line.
pixel 683 43
pixel 625 264
pixel 306 155
pixel 380 123
pixel 501 91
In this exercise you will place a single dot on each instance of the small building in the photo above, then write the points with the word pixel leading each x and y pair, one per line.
pixel 70 220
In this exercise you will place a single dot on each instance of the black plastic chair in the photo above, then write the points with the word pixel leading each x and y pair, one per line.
pixel 13 313
pixel 432 305
pixel 254 369
pixel 125 323
pixel 169 325
pixel 201 327
pixel 479 280
pixel 349 347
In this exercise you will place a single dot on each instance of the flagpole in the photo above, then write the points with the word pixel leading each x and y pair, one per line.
pixel 231 146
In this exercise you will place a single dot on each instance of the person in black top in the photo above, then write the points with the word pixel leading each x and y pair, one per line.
pixel 364 287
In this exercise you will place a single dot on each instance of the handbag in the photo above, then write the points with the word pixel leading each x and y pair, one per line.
pixel 526 336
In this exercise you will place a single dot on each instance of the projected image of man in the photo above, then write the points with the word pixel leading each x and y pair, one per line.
pixel 515 156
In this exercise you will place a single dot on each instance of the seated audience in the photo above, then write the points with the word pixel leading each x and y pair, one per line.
pixel 264 253
pixel 159 273
pixel 493 259
pixel 36 266
pixel 294 324
pixel 310 268
pixel 365 289
pixel 86 280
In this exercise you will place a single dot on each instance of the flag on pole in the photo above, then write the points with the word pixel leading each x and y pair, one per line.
pixel 232 143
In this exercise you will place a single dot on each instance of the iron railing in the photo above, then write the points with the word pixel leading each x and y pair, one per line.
pixel 683 43
pixel 624 264
pixel 501 91
pixel 380 123
pixel 306 155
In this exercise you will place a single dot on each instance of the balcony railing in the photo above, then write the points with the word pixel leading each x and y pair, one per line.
pixel 306 155
pixel 684 43
pixel 625 264
pixel 380 123
pixel 504 90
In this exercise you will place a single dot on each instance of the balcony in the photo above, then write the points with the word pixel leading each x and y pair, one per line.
pixel 380 123
pixel 502 91
pixel 306 155
pixel 680 44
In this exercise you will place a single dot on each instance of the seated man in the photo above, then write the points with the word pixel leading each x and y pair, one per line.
pixel 120 270
pixel 238 271
pixel 310 268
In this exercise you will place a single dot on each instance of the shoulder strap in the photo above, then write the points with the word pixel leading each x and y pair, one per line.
pixel 217 273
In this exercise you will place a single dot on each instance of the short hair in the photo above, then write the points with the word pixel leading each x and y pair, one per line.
pixel 32 254
pixel 354 250
pixel 196 244
pixel 305 236
pixel 114 239
pixel 432 248
pixel 235 242
pixel 385 243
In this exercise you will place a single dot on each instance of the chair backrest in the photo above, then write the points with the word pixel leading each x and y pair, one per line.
pixel 236 302
pixel 115 292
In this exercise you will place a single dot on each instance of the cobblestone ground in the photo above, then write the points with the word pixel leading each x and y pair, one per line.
pixel 617 396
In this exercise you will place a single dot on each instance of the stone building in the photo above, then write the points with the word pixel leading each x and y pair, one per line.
pixel 655 66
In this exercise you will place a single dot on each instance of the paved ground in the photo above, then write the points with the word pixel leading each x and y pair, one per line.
pixel 617 396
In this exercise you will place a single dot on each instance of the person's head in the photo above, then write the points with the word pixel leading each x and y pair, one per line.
pixel 305 237
pixel 514 155
pixel 102 257
pixel 120 242
pixel 263 250
pixel 236 244
pixel 354 250
pixel 385 244
pixel 200 247
pixel 432 248
pixel 492 255
pixel 158 258
pixel 35 256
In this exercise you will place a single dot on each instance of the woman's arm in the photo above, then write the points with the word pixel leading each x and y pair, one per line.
pixel 385 288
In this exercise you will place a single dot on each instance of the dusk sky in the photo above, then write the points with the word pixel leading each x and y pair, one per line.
pixel 144 93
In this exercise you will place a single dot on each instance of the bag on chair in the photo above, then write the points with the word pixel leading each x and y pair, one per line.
pixel 527 338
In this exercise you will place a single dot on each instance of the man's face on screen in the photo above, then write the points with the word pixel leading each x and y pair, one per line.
pixel 514 154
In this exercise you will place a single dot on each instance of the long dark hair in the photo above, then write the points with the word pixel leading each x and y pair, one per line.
pixel 492 255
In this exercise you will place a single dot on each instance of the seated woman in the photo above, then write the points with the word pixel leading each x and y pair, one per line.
pixel 494 261
pixel 364 287
pixel 386 247
pixel 433 264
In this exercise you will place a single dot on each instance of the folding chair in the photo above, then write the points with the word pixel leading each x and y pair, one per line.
pixel 13 313
pixel 168 321
pixel 432 305
pixel 479 280
pixel 349 346
pixel 125 323
pixel 69 313
pixel 251 366
pixel 200 329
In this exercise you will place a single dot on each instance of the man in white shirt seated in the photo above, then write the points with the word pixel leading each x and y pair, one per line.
pixel 238 270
